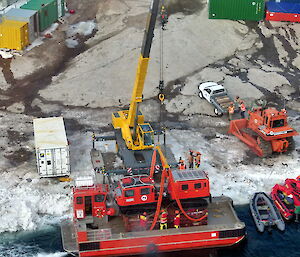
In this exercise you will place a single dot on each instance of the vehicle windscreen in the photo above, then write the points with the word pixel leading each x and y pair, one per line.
pixel 278 123
pixel 218 91
pixel 148 138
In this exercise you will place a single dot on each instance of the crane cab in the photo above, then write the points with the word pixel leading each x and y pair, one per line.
pixel 89 200
pixel 188 184
pixel 135 190
pixel 145 135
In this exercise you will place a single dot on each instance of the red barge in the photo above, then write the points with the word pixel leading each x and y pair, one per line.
pixel 223 229
pixel 106 216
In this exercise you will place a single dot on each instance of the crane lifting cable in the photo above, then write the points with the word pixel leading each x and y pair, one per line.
pixel 164 20
pixel 161 95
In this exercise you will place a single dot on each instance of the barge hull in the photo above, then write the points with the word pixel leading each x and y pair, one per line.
pixel 163 244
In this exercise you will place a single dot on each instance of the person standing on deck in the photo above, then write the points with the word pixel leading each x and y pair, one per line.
pixel 143 221
pixel 177 219
pixel 163 219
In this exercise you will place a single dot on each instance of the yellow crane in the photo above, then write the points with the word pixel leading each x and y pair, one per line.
pixel 137 134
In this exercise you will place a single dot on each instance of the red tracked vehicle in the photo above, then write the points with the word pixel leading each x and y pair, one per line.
pixel 137 192
pixel 188 185
pixel 90 199
pixel 265 131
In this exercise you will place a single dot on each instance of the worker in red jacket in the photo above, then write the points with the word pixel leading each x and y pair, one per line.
pixel 163 219
pixel 143 221
pixel 177 219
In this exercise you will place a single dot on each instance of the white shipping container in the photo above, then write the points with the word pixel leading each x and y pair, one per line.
pixel 52 148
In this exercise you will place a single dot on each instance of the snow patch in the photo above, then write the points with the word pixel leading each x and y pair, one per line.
pixel 27 202
pixel 5 55
pixel 51 29
pixel 58 254
pixel 83 28
pixel 35 43
pixel 71 43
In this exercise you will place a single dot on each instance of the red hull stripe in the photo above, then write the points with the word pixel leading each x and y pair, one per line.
pixel 170 246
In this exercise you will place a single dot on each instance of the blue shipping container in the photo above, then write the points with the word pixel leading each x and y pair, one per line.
pixel 283 7
pixel 286 1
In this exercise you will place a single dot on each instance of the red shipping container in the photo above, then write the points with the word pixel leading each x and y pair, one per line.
pixel 279 16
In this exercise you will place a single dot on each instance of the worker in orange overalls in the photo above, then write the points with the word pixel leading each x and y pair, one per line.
pixel 163 219
pixel 198 159
pixel 230 111
pixel 181 164
pixel 143 221
pixel 177 219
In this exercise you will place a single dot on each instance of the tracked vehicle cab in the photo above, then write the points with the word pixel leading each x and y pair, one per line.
pixel 135 190
pixel 188 184
pixel 89 200
pixel 273 123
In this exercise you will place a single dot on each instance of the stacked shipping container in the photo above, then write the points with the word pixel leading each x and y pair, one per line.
pixel 38 15
pixel 237 9
pixel 287 10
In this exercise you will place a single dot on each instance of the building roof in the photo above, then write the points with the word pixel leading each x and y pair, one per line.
pixel 16 12
pixel 36 4
pixel 185 175
pixel 49 133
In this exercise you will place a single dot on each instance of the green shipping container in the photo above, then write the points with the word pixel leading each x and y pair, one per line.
pixel 47 11
pixel 253 10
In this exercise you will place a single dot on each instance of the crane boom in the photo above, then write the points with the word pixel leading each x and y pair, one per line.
pixel 135 132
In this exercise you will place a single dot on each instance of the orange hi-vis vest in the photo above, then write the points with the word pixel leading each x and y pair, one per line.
pixel 231 109
pixel 182 166
pixel 143 217
pixel 164 218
